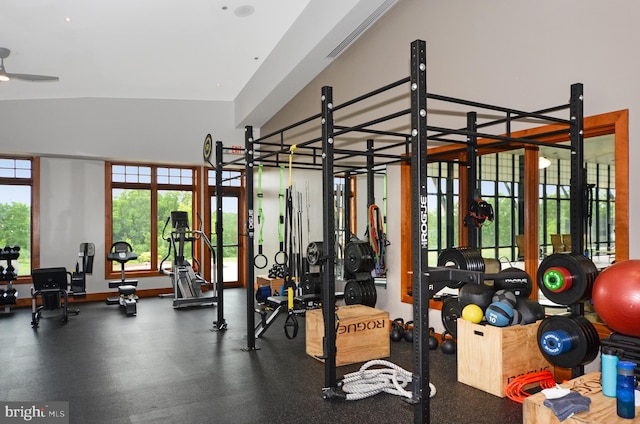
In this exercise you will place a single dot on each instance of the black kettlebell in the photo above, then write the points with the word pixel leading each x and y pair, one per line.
pixel 433 340
pixel 397 330
pixel 448 345
pixel 408 331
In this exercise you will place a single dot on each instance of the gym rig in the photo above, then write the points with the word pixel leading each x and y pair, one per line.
pixel 324 154
pixel 187 284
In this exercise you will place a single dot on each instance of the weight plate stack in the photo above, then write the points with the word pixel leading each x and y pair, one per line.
pixel 568 341
pixel 451 311
pixel 567 278
pixel 358 257
pixel 353 293
pixel 468 258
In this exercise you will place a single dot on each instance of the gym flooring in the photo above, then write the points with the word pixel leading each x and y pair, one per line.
pixel 166 365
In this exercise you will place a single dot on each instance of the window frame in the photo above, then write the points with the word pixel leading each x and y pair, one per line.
pixel 34 183
pixel 154 187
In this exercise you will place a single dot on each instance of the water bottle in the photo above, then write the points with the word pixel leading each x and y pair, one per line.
pixel 625 387
pixel 609 371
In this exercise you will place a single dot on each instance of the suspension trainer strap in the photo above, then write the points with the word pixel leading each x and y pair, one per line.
pixel 260 260
pixel 281 255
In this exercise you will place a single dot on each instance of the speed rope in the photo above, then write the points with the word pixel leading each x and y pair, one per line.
pixel 391 379
pixel 515 390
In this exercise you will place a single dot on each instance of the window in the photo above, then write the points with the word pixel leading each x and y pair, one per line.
pixel 139 200
pixel 19 209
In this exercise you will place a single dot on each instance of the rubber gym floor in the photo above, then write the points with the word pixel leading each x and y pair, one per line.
pixel 165 365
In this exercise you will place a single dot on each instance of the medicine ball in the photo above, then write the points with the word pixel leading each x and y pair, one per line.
pixel 499 314
pixel 514 280
pixel 477 294
pixel 530 310
pixel 506 297
pixel 517 317
pixel 472 313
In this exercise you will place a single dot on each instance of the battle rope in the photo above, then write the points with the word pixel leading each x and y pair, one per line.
pixel 366 383
pixel 515 389
pixel 260 261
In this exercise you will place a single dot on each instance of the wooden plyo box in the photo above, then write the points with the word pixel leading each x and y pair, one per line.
pixel 363 334
pixel 602 409
pixel 490 357
pixel 274 283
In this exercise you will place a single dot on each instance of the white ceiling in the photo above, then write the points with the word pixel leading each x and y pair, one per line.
pixel 174 49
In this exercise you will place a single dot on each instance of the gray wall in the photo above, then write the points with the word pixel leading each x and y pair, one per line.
pixel 523 55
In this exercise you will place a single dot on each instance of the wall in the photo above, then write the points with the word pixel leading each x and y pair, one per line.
pixel 523 55
pixel 126 129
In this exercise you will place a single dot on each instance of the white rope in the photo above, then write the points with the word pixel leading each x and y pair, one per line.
pixel 368 382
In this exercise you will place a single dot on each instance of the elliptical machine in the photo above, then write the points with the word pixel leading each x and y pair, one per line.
pixel 122 252
pixel 187 283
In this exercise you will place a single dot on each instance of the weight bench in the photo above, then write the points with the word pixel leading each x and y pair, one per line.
pixel 50 284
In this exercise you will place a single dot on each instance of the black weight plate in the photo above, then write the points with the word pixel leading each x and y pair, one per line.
pixel 582 271
pixel 584 340
pixel 365 292
pixel 314 252
pixel 451 311
pixel 468 258
pixel 352 293
pixel 374 294
pixel 370 289
pixel 358 257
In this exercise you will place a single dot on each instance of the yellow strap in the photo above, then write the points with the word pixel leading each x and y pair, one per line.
pixel 290 298
pixel 291 150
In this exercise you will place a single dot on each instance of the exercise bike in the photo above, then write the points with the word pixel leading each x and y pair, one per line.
pixel 122 252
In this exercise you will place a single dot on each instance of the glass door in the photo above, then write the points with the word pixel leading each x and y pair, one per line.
pixel 230 235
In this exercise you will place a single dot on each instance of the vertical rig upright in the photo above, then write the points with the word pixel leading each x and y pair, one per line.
pixel 329 283
pixel 420 277
pixel 250 233
pixel 220 323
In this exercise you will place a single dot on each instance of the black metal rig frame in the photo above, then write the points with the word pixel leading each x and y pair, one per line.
pixel 322 154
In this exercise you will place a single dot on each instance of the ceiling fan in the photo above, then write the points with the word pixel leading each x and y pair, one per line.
pixel 5 76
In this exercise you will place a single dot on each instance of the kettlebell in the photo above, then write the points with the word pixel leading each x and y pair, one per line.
pixel 397 330
pixel 433 340
pixel 448 345
pixel 408 331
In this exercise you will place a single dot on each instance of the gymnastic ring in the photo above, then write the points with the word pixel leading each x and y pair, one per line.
pixel 291 321
pixel 281 254
pixel 260 261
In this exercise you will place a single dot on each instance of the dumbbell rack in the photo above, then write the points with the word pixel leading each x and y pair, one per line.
pixel 8 293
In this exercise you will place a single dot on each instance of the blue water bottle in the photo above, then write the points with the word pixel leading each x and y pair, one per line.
pixel 626 384
pixel 609 371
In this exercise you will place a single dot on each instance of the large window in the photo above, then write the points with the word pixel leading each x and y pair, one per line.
pixel 18 209
pixel 141 198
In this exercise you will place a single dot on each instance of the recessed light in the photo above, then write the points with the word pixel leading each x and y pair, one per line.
pixel 224 7
pixel 256 58
pixel 67 19
pixel 244 11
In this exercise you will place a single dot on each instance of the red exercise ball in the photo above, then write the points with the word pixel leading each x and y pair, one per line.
pixel 616 297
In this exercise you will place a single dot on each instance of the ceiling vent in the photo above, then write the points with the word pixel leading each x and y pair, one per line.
pixel 361 28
